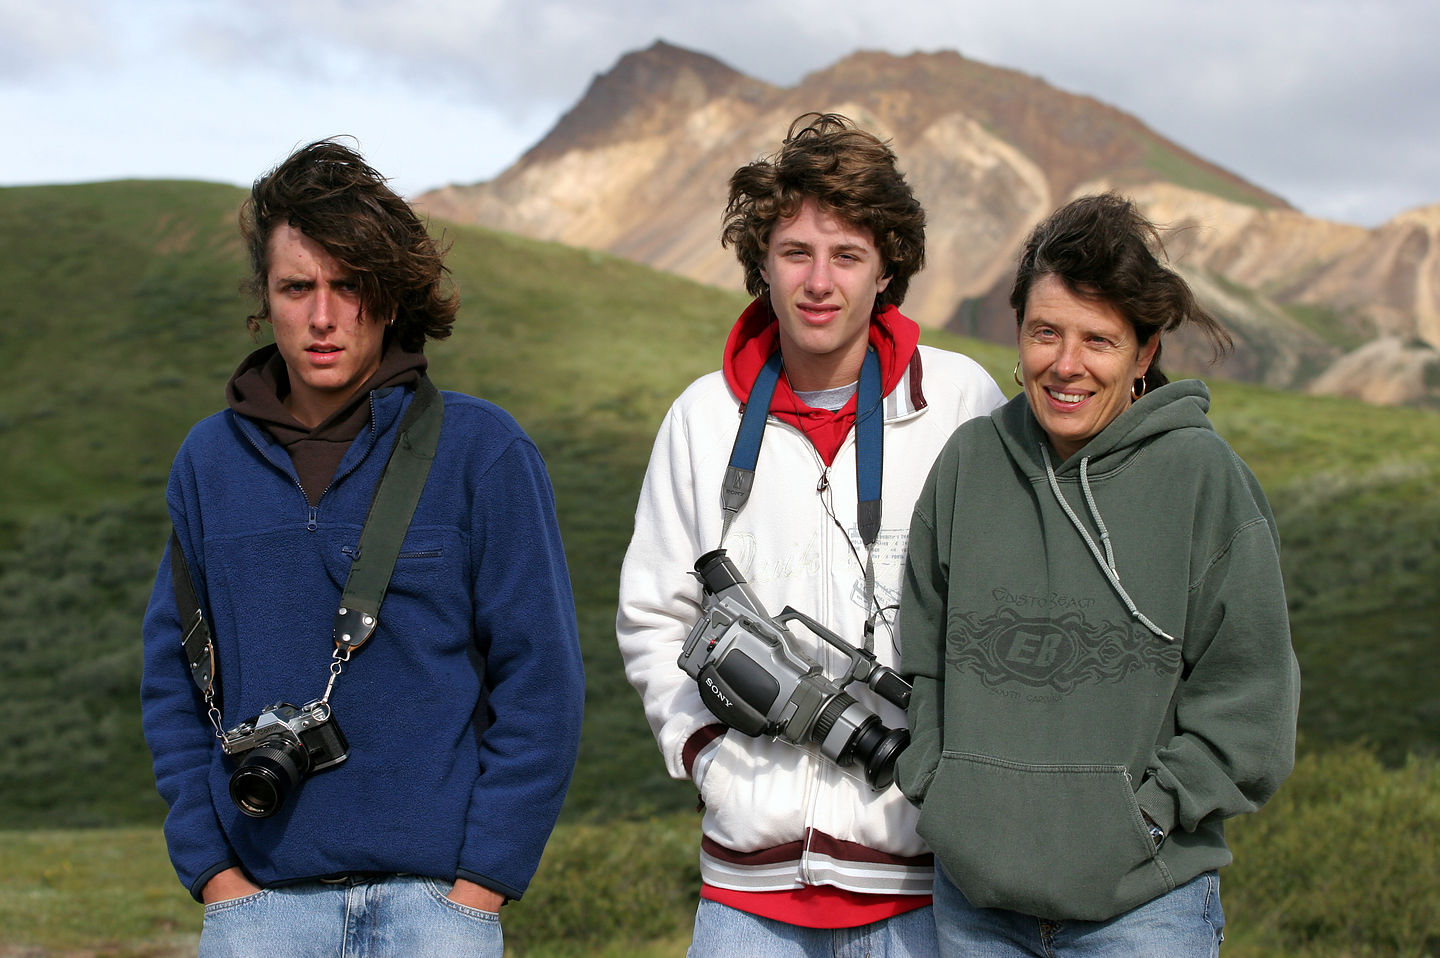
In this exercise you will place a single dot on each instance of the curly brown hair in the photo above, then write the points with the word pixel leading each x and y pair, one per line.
pixel 328 192
pixel 1104 250
pixel 848 172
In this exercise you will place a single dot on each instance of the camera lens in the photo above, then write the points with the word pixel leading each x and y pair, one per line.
pixel 879 747
pixel 848 732
pixel 267 774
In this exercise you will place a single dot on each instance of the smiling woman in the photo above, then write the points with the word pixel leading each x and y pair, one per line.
pixel 1091 302
pixel 1082 363
pixel 1105 633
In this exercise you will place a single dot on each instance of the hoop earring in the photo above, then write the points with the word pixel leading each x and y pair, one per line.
pixel 1143 387
pixel 1016 374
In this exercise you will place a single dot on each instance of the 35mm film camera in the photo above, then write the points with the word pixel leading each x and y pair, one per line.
pixel 278 748
pixel 756 678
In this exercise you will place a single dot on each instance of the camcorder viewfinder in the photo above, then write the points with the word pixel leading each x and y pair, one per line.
pixel 755 677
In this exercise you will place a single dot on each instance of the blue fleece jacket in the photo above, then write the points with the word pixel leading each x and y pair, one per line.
pixel 462 712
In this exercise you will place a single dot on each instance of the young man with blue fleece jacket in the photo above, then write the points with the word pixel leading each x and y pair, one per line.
pixel 462 711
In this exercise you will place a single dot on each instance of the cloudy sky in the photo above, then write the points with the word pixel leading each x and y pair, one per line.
pixel 1332 104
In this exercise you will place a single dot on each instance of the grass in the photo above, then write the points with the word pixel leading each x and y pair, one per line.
pixel 1343 861
pixel 602 890
pixel 1341 864
pixel 106 891
pixel 1329 326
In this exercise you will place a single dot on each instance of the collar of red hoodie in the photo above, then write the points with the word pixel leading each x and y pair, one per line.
pixel 756 335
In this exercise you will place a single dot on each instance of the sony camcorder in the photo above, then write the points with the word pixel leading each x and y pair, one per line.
pixel 756 678
pixel 281 746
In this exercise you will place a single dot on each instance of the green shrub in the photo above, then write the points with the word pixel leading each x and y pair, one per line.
pixel 618 885
pixel 72 592
pixel 1343 861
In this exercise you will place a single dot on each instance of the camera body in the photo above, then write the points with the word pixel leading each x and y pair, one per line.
pixel 755 677
pixel 277 749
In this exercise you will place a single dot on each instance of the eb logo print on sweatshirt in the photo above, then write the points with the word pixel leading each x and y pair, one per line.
pixel 1058 652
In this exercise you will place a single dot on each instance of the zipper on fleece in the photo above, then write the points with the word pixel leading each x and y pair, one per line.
pixel 312 513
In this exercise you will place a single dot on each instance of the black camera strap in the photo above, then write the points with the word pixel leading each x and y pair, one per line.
pixel 869 460
pixel 195 638
pixel 391 508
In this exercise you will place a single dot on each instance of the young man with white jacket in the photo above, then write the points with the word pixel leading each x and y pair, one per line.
pixel 800 852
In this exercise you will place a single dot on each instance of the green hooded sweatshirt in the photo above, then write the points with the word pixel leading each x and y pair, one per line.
pixel 1093 642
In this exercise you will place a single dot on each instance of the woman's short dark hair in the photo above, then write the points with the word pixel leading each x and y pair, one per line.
pixel 1104 250
pixel 328 192
pixel 849 173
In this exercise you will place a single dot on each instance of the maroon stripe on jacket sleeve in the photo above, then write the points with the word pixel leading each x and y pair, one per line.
pixel 697 743
pixel 917 395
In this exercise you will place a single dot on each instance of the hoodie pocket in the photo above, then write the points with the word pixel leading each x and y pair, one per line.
pixel 1055 841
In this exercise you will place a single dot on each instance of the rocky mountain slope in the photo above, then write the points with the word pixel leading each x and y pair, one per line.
pixel 639 167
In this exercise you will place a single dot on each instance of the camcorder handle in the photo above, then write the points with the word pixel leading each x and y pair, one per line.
pixel 864 667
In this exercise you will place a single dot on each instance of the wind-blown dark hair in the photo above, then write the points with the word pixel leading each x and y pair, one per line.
pixel 1104 250
pixel 328 192
pixel 850 173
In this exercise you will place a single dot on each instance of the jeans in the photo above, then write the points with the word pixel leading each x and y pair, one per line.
pixel 399 916
pixel 1185 923
pixel 725 932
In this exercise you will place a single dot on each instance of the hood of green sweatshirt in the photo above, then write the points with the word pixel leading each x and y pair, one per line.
pixel 1174 406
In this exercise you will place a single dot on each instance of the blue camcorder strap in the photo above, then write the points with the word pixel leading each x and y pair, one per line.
pixel 869 473
pixel 391 508
pixel 740 473
pixel 869 461
pixel 869 441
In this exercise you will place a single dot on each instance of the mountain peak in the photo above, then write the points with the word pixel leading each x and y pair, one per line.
pixel 639 168
pixel 636 96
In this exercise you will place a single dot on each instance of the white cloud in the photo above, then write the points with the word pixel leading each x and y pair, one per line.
pixel 40 40
pixel 1330 104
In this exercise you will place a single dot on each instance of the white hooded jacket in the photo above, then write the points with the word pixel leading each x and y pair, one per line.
pixel 778 816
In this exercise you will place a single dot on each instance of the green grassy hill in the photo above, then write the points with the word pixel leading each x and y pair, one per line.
pixel 122 320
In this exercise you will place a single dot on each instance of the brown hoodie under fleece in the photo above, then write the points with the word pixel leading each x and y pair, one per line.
pixel 258 390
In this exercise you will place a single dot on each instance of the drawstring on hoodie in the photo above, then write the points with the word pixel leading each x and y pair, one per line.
pixel 1106 561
